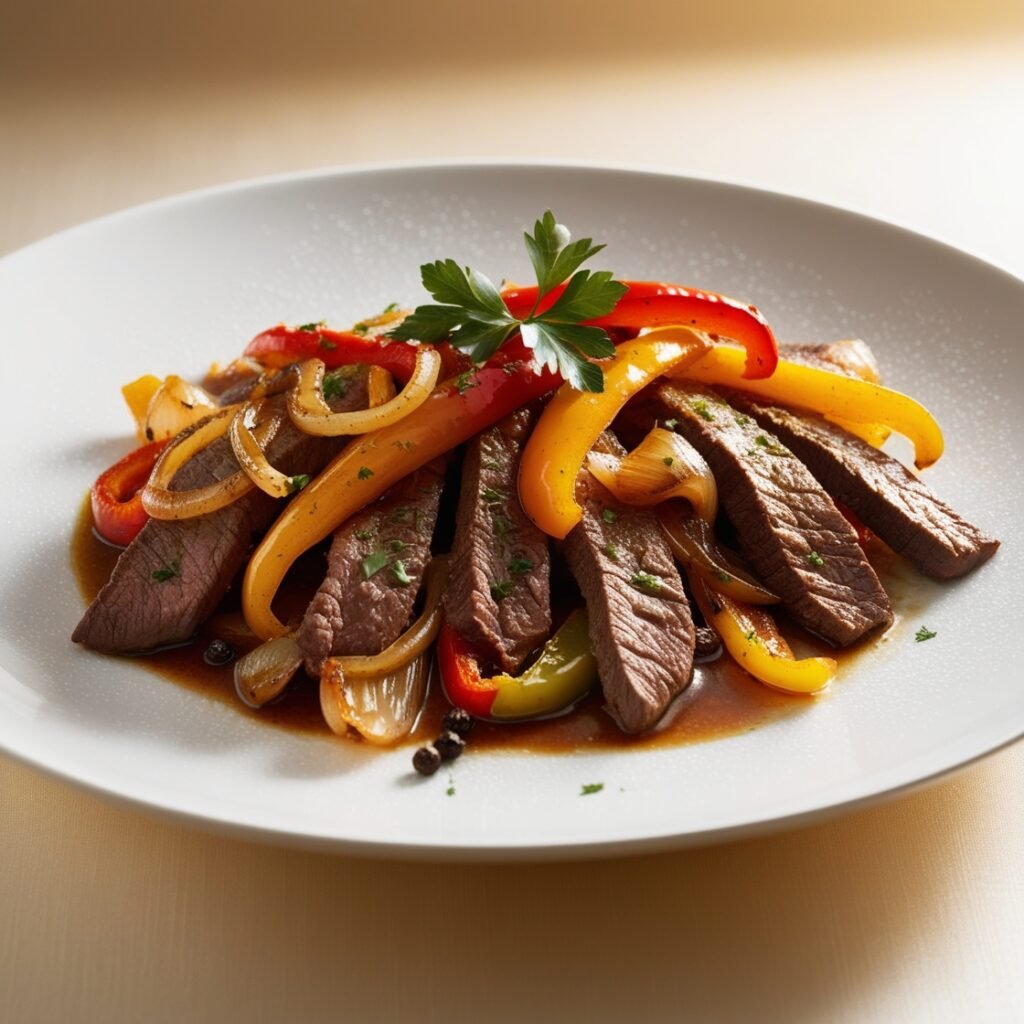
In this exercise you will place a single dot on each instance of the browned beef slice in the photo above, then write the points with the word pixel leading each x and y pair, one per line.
pixel 363 605
pixel 499 591
pixel 799 544
pixel 172 576
pixel 890 500
pixel 640 621
pixel 851 357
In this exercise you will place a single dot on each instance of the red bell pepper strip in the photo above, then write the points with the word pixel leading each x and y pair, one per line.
pixel 655 304
pixel 116 500
pixel 564 672
pixel 280 346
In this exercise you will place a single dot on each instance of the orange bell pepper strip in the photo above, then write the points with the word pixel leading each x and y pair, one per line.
pixel 753 640
pixel 573 421
pixel 657 304
pixel 831 394
pixel 116 496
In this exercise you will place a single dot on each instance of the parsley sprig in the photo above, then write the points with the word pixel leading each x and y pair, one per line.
pixel 471 311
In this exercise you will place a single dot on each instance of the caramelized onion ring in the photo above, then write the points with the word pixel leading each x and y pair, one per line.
pixel 311 414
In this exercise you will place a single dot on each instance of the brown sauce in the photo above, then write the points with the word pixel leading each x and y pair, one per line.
pixel 721 701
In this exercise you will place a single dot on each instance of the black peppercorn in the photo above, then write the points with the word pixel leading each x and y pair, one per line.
pixel 426 760
pixel 708 643
pixel 218 653
pixel 449 745
pixel 458 721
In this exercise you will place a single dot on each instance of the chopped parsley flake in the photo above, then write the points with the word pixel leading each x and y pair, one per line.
pixel 296 483
pixel 311 327
pixel 740 419
pixel 365 472
pixel 591 788
pixel 668 460
pixel 646 582
pixel 769 446
pixel 168 572
pixel 396 545
pixel 465 381
pixel 751 637
pixel 501 589
pixel 360 328
pixel 364 534
pixel 611 551
pixel 924 633
pixel 815 559
pixel 404 445
pixel 671 424
pixel 490 464
pixel 609 515
pixel 327 344
pixel 502 526
pixel 520 566
pixel 373 563
pixel 401 576
pixel 700 407
pixel 722 577
pixel 391 307
pixel 335 386
pixel 492 496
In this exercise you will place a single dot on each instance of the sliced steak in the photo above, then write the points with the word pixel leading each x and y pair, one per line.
pixel 883 493
pixel 499 590
pixel 799 544
pixel 851 357
pixel 172 576
pixel 374 571
pixel 640 621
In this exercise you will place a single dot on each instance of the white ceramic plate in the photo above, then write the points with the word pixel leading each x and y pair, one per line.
pixel 169 286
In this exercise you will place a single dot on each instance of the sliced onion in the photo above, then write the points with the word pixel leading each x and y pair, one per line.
pixel 162 503
pixel 664 465
pixel 249 452
pixel 382 710
pixel 175 406
pixel 263 673
pixel 693 542
pixel 313 415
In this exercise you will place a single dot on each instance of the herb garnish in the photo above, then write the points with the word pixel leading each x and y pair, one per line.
pixel 465 381
pixel 327 344
pixel 296 483
pixel 924 633
pixel 502 526
pixel 490 464
pixel 168 572
pixel 609 515
pixel 501 589
pixel 751 637
pixel 670 424
pixel 396 545
pixel 591 787
pixel 401 576
pixel 722 577
pixel 741 419
pixel 335 386
pixel 373 563
pixel 611 551
pixel 405 445
pixel 815 559
pixel 311 327
pixel 492 496
pixel 520 566
pixel 364 534
pixel 473 313
pixel 668 460
pixel 645 581
pixel 365 473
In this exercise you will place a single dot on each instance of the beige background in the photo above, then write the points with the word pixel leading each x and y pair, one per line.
pixel 910 911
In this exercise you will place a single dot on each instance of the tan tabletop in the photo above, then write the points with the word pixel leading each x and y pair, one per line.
pixel 911 911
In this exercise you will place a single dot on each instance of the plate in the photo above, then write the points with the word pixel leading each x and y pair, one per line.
pixel 169 286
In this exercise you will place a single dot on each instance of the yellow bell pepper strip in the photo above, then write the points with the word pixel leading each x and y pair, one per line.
pixel 573 421
pixel 755 643
pixel 831 394
pixel 565 671
pixel 371 463
pixel 137 396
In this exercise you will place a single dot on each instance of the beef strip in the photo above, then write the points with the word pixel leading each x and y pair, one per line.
pixel 499 590
pixel 363 605
pixel 640 622
pixel 174 573
pixel 799 544
pixel 886 496
pixel 851 357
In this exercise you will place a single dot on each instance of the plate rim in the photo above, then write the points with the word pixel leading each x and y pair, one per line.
pixel 483 851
